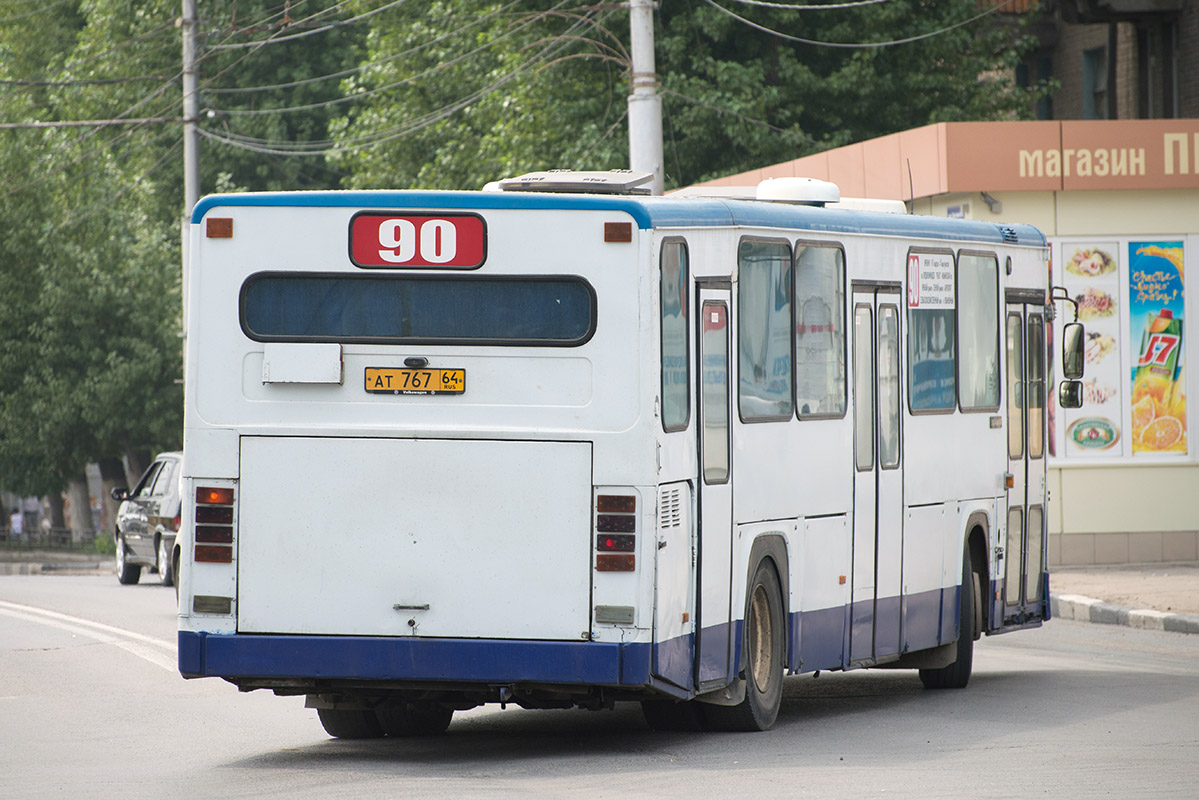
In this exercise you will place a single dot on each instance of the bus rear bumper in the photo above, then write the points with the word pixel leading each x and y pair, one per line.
pixel 370 658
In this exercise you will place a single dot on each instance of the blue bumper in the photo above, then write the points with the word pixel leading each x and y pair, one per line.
pixel 400 659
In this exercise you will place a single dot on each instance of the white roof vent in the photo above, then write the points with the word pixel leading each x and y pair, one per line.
pixel 802 191
pixel 616 181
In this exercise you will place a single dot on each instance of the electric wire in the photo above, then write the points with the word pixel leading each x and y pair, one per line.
pixel 380 89
pixel 362 67
pixel 45 7
pixel 375 138
pixel 811 7
pixel 310 32
pixel 856 45
pixel 762 123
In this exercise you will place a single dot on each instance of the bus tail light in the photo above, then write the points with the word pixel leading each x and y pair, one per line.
pixel 616 533
pixel 214 524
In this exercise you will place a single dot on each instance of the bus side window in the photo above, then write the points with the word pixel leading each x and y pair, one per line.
pixel 676 373
pixel 819 330
pixel 978 331
pixel 932 345
pixel 764 330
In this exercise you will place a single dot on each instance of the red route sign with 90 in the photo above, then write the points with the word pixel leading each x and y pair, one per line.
pixel 456 241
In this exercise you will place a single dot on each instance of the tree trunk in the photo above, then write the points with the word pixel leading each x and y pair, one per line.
pixel 79 509
pixel 53 502
pixel 136 460
pixel 112 475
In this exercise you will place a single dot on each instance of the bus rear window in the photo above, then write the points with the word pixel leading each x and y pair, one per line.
pixel 384 309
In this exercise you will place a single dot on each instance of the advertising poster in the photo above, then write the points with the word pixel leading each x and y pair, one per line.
pixel 1155 320
pixel 1091 275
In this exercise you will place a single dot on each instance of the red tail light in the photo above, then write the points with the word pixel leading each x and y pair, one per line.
pixel 616 533
pixel 214 524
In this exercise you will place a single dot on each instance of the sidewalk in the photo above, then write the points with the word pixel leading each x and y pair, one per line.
pixel 1157 596
pixel 36 562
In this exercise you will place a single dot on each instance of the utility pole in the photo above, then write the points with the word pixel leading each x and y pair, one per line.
pixel 191 110
pixel 645 104
pixel 191 141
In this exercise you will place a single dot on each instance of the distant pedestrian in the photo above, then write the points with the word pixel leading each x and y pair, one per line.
pixel 18 524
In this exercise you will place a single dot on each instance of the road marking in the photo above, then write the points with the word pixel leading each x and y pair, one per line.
pixel 135 643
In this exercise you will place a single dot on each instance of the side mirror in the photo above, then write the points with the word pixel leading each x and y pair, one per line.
pixel 1069 394
pixel 1074 341
pixel 119 493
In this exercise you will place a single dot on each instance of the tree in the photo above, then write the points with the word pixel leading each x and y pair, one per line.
pixel 462 93
pixel 90 354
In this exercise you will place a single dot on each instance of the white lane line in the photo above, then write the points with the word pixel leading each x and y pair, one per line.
pixel 129 641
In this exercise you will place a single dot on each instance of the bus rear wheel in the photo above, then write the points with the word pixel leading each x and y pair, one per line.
pixel 762 647
pixel 957 674
pixel 350 724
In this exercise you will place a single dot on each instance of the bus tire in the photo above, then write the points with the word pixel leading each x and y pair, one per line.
pixel 127 573
pixel 350 724
pixel 763 648
pixel 673 715
pixel 403 721
pixel 957 674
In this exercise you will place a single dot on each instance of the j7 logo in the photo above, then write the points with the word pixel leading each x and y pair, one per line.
pixel 1158 349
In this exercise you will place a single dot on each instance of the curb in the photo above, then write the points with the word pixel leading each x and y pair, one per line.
pixel 1088 609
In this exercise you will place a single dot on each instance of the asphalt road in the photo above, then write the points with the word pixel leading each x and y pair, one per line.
pixel 91 707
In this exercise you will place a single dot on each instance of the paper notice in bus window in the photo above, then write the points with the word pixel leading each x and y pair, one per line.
pixel 930 280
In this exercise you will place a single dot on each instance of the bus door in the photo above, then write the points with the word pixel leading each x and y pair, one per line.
pixel 714 630
pixel 878 475
pixel 1024 546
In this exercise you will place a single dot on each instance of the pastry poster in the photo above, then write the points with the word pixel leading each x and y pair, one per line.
pixel 1092 278
pixel 1155 321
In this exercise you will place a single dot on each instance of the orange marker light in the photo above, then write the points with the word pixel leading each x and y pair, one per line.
pixel 209 496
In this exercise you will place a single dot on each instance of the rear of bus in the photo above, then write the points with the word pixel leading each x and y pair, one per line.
pixel 402 411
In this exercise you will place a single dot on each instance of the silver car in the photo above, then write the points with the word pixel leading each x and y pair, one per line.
pixel 148 519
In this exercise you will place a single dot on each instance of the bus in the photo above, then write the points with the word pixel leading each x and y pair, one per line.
pixel 559 444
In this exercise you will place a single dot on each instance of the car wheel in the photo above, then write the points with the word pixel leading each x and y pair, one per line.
pixel 164 564
pixel 126 573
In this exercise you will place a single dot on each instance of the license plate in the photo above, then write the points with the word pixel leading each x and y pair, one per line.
pixel 386 380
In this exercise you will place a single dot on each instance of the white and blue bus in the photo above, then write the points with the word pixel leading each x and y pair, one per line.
pixel 568 447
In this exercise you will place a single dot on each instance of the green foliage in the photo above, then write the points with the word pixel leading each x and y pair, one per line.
pixel 545 88
pixel 319 94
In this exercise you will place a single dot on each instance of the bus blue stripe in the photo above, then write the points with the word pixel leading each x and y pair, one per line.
pixel 386 658
pixel 653 212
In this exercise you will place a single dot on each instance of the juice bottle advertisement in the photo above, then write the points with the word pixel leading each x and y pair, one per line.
pixel 1156 324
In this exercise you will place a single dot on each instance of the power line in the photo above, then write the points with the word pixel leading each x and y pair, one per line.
pixel 821 7
pixel 368 65
pixel 81 82
pixel 311 32
pixel 323 147
pixel 380 89
pixel 762 123
pixel 85 123
pixel 856 45
pixel 33 13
